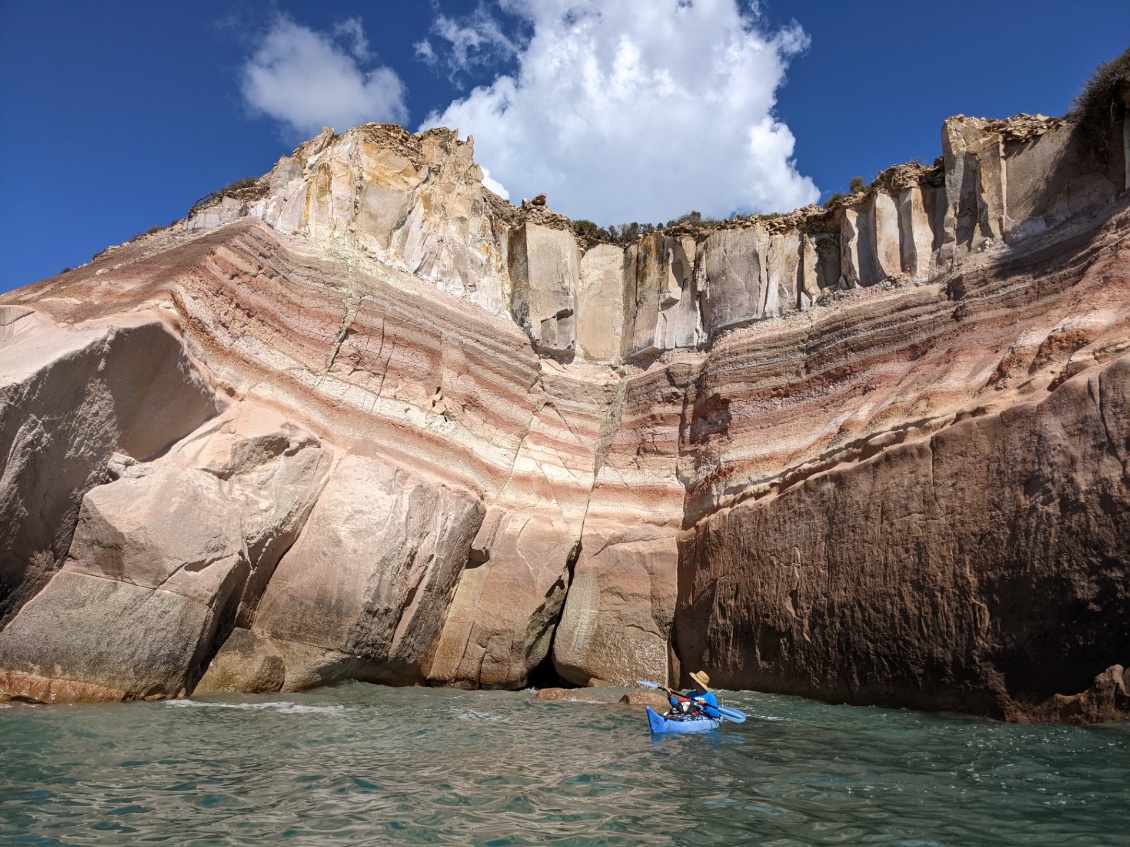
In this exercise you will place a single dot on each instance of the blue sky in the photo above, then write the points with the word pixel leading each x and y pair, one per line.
pixel 117 116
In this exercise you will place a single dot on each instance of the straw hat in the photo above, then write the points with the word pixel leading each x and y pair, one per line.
pixel 702 679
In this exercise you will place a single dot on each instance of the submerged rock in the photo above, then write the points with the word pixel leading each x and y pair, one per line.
pixel 568 695
pixel 653 699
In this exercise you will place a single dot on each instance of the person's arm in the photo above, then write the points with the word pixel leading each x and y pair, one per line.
pixel 710 705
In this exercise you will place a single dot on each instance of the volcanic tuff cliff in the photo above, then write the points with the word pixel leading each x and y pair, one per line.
pixel 364 419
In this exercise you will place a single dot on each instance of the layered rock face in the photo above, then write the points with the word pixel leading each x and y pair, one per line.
pixel 365 420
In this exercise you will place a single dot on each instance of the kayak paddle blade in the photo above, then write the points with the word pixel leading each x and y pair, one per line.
pixel 735 715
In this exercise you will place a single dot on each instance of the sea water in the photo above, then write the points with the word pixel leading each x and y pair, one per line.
pixel 367 765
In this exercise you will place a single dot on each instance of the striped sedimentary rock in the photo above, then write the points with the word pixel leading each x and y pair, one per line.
pixel 398 429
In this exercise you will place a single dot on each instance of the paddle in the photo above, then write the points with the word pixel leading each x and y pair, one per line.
pixel 735 715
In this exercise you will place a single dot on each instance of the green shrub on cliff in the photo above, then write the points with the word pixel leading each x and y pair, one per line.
pixel 239 185
pixel 623 234
pixel 587 229
pixel 628 233
pixel 835 200
pixel 240 189
pixel 693 219
pixel 1101 103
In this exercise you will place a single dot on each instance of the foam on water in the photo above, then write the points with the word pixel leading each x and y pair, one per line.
pixel 364 765
pixel 470 715
pixel 285 708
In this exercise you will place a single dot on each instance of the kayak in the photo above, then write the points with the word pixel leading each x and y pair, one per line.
pixel 662 724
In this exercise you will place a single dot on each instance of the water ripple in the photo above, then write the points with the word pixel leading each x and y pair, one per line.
pixel 364 765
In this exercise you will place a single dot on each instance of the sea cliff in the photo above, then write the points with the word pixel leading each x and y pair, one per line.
pixel 363 419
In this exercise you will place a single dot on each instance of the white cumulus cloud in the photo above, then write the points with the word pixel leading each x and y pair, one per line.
pixel 308 80
pixel 626 110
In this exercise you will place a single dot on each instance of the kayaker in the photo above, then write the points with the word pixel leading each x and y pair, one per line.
pixel 701 698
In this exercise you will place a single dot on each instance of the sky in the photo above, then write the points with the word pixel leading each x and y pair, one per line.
pixel 117 116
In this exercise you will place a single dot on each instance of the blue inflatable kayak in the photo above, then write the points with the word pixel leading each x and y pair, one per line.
pixel 662 724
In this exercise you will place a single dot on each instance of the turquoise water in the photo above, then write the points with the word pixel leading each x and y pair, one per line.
pixel 366 765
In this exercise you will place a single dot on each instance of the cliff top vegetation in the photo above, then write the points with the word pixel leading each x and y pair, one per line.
pixel 1103 101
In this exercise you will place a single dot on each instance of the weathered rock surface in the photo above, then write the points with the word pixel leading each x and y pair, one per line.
pixel 617 619
pixel 247 663
pixel 165 556
pixel 69 399
pixel 500 625
pixel 1107 699
pixel 271 471
pixel 413 203
pixel 986 563
pixel 873 453
pixel 363 592
pixel 145 587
